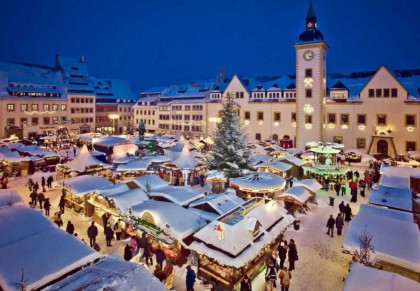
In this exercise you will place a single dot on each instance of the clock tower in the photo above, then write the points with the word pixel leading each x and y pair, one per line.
pixel 310 82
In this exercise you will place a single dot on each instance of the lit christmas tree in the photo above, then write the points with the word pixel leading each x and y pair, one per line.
pixel 229 153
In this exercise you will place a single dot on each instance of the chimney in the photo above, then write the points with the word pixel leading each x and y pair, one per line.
pixel 82 59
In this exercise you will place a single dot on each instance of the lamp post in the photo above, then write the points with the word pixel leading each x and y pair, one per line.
pixel 113 117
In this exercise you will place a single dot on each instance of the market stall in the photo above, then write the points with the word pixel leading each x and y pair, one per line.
pixel 180 195
pixel 257 184
pixel 223 258
pixel 217 180
pixel 392 198
pixel 296 195
pixel 141 166
pixel 276 167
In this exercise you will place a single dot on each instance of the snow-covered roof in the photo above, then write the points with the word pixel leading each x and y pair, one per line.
pixel 392 197
pixel 258 182
pixel 124 149
pixel 108 141
pixel 395 239
pixel 150 182
pixel 112 89
pixel 186 160
pixel 221 203
pixel 237 224
pixel 292 159
pixel 362 278
pixel 83 160
pixel 15 157
pixel 125 200
pixel 215 175
pixel 260 158
pixel 28 238
pixel 34 150
pixel 82 185
pixel 124 159
pixel 275 165
pixel 110 273
pixel 324 150
pixel 398 177
pixel 177 194
pixel 310 184
pixel 137 165
pixel 182 222
pixel 9 197
pixel 298 193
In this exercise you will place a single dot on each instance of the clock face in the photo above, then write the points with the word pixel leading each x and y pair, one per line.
pixel 310 24
pixel 308 55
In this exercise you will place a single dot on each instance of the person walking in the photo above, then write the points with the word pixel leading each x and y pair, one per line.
pixel 285 277
pixel 246 284
pixel 268 286
pixel 282 253
pixel 330 225
pixel 109 235
pixel 47 206
pixel 29 184
pixel 34 198
pixel 92 232
pixel 134 245
pixel 353 191
pixel 105 218
pixel 143 244
pixel 41 199
pixel 58 220
pixel 341 207
pixel 327 184
pixel 169 268
pixel 147 254
pixel 43 183
pixel 4 181
pixel 347 213
pixel 271 273
pixel 337 188
pixel 292 254
pixel 160 256
pixel 62 203
pixel 74 151
pixel 70 227
pixel 190 279
pixel 343 188
pixel 158 273
pixel 35 187
pixel 50 179
pixel 291 182
pixel 339 223
pixel 118 229
pixel 362 186
pixel 128 252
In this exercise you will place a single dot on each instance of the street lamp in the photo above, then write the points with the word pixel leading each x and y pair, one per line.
pixel 113 117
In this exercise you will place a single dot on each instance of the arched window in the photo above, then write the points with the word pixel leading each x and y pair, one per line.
pixel 258 136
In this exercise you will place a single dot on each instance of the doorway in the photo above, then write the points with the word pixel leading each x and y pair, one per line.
pixel 382 147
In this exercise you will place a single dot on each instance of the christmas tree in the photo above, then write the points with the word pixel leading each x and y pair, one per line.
pixel 230 152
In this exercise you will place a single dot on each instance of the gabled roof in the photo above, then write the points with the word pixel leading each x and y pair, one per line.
pixel 113 89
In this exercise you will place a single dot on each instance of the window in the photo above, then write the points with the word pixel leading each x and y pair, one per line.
pixel 23 107
pixel 34 107
pixel 293 116
pixel 46 120
pixel 10 121
pixel 258 136
pixel 371 93
pixel 394 92
pixel 386 93
pixel 344 119
pixel 196 128
pixel 331 118
pixel 23 121
pixel 186 128
pixel 55 119
pixel 10 107
pixel 63 107
pixel 308 119
pixel 378 93
pixel 308 93
pixel 186 117
pixel 361 119
pixel 54 107
pixel 46 107
pixel 381 119
pixel 187 107
pixel 277 116
pixel 338 139
pixel 63 119
pixel 239 95
pixel 35 121
pixel 410 120
pixel 410 146
pixel 260 115
pixel 360 143
pixel 247 115
pixel 197 107
pixel 308 73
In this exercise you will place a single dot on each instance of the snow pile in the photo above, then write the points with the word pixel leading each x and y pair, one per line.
pixel 363 278
pixel 395 239
pixel 9 197
pixel 400 199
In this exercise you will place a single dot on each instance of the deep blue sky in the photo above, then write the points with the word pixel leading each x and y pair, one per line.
pixel 157 42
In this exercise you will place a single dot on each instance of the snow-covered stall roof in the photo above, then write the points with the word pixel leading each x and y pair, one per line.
pixel 259 182
pixel 124 159
pixel 108 141
pixel 84 160
pixel 275 165
pixel 237 224
pixel 177 194
pixel 398 177
pixel 182 222
pixel 9 197
pixel 296 193
pixel 221 203
pixel 400 199
pixel 395 239
pixel 256 159
pixel 362 278
pixel 110 273
pixel 292 159
pixel 186 160
pixel 34 150
pixel 28 246
pixel 172 152
pixel 324 150
pixel 150 182
pixel 82 185
pixel 310 184
pixel 215 175
pixel 141 164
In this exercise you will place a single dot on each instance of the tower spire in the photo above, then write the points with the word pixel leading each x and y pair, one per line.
pixel 311 13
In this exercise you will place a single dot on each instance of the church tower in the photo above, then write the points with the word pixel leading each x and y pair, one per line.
pixel 310 82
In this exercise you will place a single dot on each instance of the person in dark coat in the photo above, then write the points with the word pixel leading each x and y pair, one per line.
pixel 292 254
pixel 341 207
pixel 158 273
pixel 62 203
pixel 190 279
pixel 30 184
pixel 128 252
pixel 143 242
pixel 271 273
pixel 347 213
pixel 362 186
pixel 70 227
pixel 58 220
pixel 47 206
pixel 246 284
pixel 43 183
pixel 105 218
pixel 92 232
pixel 291 182
pixel 160 257
pixel 109 235
pixel 282 253
pixel 337 188
pixel 35 187
pixel 356 173
pixel 34 198
pixel 169 268
pixel 147 254
pixel 327 184
pixel 330 225
pixel 339 223
pixel 49 181
pixel 74 151
pixel 41 199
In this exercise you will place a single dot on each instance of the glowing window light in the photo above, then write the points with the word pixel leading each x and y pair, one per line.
pixel 308 125
pixel 410 128
pixel 331 125
pixel 362 127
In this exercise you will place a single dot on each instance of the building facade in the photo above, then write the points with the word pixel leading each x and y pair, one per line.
pixel 376 111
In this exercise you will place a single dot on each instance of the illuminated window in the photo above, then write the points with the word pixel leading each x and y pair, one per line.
pixel 338 139
pixel 10 107
pixel 344 119
pixel 34 107
pixel 361 143
pixel 23 107
pixel 381 119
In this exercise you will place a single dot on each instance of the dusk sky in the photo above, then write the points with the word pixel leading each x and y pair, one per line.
pixel 160 42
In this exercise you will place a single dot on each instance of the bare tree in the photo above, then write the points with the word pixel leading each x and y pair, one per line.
pixel 365 248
